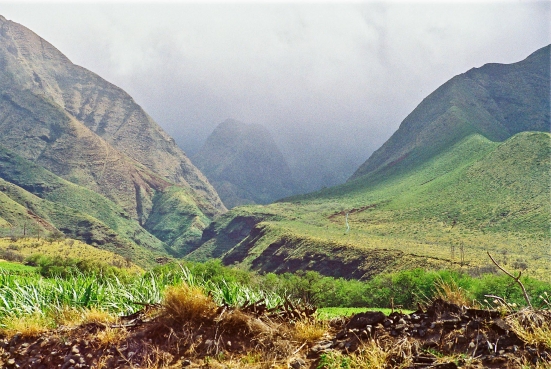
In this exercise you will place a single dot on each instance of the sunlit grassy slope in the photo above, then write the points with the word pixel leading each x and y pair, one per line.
pixel 67 248
pixel 477 196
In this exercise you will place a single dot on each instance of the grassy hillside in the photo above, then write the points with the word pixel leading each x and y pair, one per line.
pixel 61 249
pixel 176 220
pixel 48 186
pixel 27 211
pixel 478 196
pixel 496 101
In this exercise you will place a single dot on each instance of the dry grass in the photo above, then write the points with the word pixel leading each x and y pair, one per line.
pixel 452 293
pixel 184 303
pixel 71 316
pixel 309 331
pixel 26 326
pixel 369 356
pixel 98 316
pixel 111 336
pixel 533 327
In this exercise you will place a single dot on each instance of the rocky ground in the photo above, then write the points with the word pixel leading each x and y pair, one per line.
pixel 443 336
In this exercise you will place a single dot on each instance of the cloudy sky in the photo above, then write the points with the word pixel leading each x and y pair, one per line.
pixel 331 78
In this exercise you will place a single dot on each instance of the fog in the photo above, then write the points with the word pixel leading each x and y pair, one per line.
pixel 331 81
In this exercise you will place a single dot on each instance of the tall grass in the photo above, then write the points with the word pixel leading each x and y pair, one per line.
pixel 34 295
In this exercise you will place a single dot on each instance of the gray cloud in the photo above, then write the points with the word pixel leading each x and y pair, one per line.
pixel 334 76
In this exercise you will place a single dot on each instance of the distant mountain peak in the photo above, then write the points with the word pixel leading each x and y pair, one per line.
pixel 244 164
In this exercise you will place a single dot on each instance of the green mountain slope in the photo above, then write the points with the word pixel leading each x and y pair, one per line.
pixel 479 195
pixel 79 127
pixel 48 186
pixel 24 209
pixel 496 101
pixel 244 164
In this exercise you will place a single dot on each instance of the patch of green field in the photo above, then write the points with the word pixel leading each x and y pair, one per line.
pixel 328 313
pixel 16 268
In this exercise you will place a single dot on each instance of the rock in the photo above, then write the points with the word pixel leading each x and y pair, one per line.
pixel 361 320
pixel 444 366
pixel 342 334
pixel 297 363
pixel 322 346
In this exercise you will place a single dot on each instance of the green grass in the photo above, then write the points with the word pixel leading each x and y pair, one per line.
pixel 16 268
pixel 65 205
pixel 176 220
pixel 328 313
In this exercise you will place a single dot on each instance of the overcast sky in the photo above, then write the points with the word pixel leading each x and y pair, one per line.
pixel 347 74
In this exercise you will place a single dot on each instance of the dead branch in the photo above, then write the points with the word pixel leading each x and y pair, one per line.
pixel 517 279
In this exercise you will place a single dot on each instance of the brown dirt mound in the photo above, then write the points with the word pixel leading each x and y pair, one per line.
pixel 474 338
pixel 442 336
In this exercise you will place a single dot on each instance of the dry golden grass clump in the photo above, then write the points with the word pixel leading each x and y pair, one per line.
pixel 26 326
pixel 310 331
pixel 370 355
pixel 533 327
pixel 452 293
pixel 184 304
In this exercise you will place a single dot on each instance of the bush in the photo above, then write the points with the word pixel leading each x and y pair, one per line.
pixel 11 255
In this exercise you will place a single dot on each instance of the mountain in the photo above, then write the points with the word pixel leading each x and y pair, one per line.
pixel 496 101
pixel 456 180
pixel 79 127
pixel 244 164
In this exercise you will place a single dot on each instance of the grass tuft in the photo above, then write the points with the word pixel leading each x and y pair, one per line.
pixel 184 303
pixel 26 326
pixel 368 356
pixel 533 327
pixel 449 291
pixel 310 331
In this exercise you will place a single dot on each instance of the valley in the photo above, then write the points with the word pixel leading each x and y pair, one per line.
pixel 116 251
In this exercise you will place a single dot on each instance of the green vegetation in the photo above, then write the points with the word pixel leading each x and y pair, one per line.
pixel 62 252
pixel 36 200
pixel 328 313
pixel 176 220
pixel 51 287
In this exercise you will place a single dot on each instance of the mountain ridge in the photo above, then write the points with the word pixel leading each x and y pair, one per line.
pixel 482 100
pixel 89 132
pixel 456 179
pixel 106 110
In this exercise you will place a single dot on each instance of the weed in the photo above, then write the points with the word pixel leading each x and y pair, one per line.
pixel 111 336
pixel 309 331
pixel 368 356
pixel 532 327
pixel 449 291
pixel 184 303
pixel 27 326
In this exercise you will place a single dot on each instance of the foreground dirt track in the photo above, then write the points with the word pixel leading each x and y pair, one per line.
pixel 441 336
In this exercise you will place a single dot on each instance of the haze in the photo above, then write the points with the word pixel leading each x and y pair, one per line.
pixel 331 81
